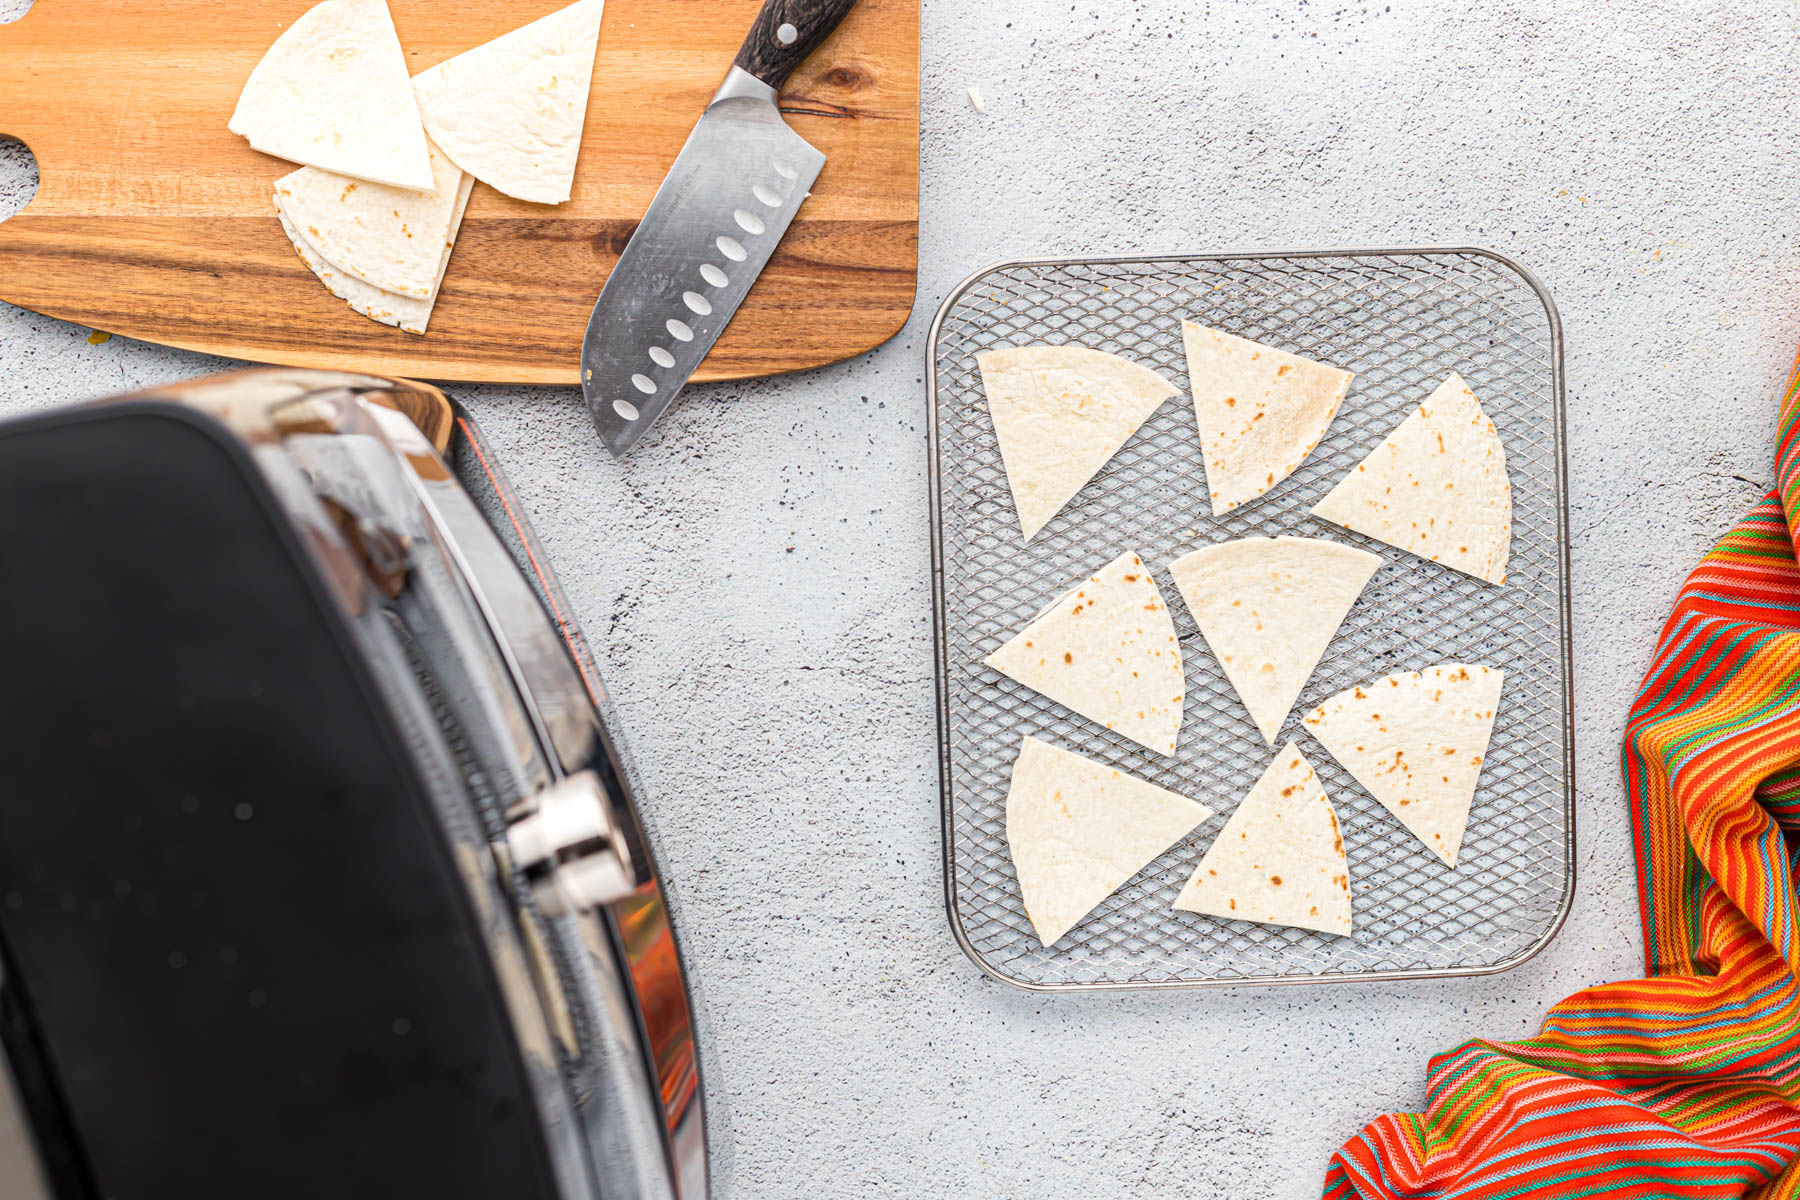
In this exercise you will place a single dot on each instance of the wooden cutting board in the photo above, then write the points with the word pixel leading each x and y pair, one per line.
pixel 155 221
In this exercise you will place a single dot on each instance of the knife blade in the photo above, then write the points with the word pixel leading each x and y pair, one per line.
pixel 708 233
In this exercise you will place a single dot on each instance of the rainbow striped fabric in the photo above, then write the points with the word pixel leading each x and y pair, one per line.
pixel 1685 1083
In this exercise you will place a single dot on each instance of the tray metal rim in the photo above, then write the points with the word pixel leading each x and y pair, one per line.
pixel 940 646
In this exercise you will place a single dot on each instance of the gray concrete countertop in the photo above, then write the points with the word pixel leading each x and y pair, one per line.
pixel 755 576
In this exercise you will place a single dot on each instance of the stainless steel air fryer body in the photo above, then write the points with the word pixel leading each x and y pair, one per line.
pixel 478 660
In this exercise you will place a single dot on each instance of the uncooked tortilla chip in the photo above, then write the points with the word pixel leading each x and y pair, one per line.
pixel 389 238
pixel 1280 858
pixel 332 93
pixel 510 111
pixel 406 312
pixel 1437 487
pixel 1417 742
pixel 1078 830
pixel 1107 649
pixel 1268 607
pixel 1260 410
pixel 1059 413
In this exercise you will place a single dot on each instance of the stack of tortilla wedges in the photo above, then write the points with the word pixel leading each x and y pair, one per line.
pixel 1268 609
pixel 390 161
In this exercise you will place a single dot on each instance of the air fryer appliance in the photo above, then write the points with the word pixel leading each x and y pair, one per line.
pixel 320 868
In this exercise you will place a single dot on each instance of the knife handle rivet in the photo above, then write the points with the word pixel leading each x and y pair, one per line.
pixel 696 303
pixel 786 34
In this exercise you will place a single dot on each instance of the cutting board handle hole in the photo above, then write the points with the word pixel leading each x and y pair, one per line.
pixel 12 10
pixel 18 175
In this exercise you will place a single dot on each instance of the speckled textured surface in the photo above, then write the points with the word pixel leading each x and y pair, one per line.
pixel 755 575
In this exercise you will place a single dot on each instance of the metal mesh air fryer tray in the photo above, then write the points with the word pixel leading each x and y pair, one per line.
pixel 1401 320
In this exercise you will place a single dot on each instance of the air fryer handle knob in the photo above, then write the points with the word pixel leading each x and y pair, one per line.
pixel 569 848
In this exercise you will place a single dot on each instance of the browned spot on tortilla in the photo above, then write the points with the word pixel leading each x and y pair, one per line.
pixel 1067 657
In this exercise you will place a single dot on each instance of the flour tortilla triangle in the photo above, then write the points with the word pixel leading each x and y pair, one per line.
pixel 510 111
pixel 1280 858
pixel 389 238
pixel 1106 648
pixel 406 312
pixel 1260 411
pixel 332 93
pixel 1078 829
pixel 1437 487
pixel 1060 412
pixel 1417 741
pixel 1268 608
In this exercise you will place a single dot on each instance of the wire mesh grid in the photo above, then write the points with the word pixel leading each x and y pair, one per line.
pixel 1401 320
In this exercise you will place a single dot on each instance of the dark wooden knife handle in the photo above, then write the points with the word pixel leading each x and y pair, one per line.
pixel 805 22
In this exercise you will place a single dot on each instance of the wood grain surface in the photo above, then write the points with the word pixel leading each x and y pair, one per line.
pixel 154 221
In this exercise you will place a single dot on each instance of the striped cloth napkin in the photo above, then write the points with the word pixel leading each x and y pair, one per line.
pixel 1685 1083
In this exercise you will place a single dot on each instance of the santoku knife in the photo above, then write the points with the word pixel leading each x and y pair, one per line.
pixel 708 233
